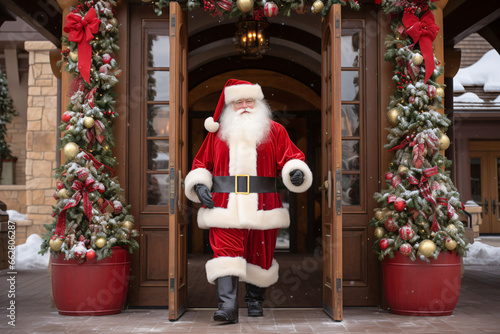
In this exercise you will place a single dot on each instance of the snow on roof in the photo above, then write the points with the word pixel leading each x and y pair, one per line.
pixel 485 72
pixel 468 98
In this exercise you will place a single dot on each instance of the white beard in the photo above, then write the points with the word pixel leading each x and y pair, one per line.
pixel 252 126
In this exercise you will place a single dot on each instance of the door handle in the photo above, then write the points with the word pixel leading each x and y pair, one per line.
pixel 485 206
pixel 324 186
pixel 493 206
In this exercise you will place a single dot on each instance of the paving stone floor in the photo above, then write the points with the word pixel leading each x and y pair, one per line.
pixel 478 311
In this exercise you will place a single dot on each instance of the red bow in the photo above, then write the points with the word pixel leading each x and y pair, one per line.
pixel 82 30
pixel 423 31
pixel 424 189
pixel 82 191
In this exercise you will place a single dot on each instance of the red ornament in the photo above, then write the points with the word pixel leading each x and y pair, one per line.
pixel 66 117
pixel 55 195
pixel 400 204
pixel 90 254
pixel 384 244
pixel 391 225
pixel 59 185
pixel 431 90
pixel 388 176
pixel 406 232
pixel 270 9
pixel 106 58
pixel 405 249
pixel 68 126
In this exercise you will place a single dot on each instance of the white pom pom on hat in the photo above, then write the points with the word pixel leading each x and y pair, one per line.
pixel 234 89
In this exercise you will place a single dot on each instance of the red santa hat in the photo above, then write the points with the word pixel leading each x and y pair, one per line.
pixel 233 90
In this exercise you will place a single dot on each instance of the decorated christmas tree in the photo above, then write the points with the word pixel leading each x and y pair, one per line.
pixel 7 112
pixel 419 211
pixel 91 215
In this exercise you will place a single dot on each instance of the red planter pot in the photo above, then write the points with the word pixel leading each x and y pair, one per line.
pixel 93 287
pixel 422 289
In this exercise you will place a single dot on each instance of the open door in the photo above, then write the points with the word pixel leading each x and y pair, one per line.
pixel 331 157
pixel 178 163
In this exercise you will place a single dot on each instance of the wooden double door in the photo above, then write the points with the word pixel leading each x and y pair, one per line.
pixel 157 150
pixel 485 182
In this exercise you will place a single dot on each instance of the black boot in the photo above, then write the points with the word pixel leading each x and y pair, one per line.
pixel 254 299
pixel 227 296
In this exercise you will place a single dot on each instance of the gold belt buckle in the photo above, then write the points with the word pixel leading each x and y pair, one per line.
pixel 236 185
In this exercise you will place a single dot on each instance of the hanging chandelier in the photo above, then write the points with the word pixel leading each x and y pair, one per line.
pixel 251 40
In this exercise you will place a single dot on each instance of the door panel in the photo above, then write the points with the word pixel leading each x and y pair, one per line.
pixel 331 156
pixel 485 184
pixel 178 163
pixel 148 159
pixel 359 157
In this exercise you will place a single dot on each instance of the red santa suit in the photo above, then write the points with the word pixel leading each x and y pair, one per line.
pixel 244 227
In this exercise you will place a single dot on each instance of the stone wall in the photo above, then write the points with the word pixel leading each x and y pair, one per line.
pixel 41 137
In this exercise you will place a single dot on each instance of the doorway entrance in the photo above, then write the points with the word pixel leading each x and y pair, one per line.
pixel 175 81
pixel 485 186
pixel 297 107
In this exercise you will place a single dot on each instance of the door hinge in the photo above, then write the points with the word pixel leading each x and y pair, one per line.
pixel 172 284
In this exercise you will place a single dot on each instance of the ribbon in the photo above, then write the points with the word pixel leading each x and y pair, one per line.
pixel 424 189
pixel 96 163
pixel 423 31
pixel 75 86
pixel 401 145
pixel 96 132
pixel 82 30
pixel 418 155
pixel 82 191
pixel 444 201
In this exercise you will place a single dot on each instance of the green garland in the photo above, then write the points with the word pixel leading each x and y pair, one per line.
pixel 419 211
pixel 84 229
pixel 229 8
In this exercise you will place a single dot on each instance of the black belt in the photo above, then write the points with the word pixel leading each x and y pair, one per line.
pixel 244 184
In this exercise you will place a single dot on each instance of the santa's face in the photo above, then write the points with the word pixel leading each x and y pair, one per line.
pixel 243 105
pixel 246 119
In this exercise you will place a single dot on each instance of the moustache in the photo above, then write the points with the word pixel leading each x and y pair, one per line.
pixel 242 110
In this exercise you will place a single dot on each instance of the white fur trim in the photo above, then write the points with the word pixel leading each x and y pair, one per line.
pixel 246 217
pixel 225 266
pixel 261 277
pixel 211 125
pixel 302 166
pixel 245 91
pixel 198 175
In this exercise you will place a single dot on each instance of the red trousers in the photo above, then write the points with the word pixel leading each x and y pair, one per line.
pixel 255 246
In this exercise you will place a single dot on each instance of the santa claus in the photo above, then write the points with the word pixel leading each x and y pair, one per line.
pixel 234 177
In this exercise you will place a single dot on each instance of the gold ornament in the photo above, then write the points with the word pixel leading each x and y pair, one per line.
pixel 244 5
pixel 440 92
pixel 56 244
pixel 392 116
pixel 452 228
pixel 100 243
pixel 128 225
pixel 88 122
pixel 426 248
pixel 417 59
pixel 317 6
pixel 450 244
pixel 73 55
pixel 444 142
pixel 113 22
pixel 402 169
pixel 379 214
pixel 63 193
pixel 379 232
pixel 71 150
